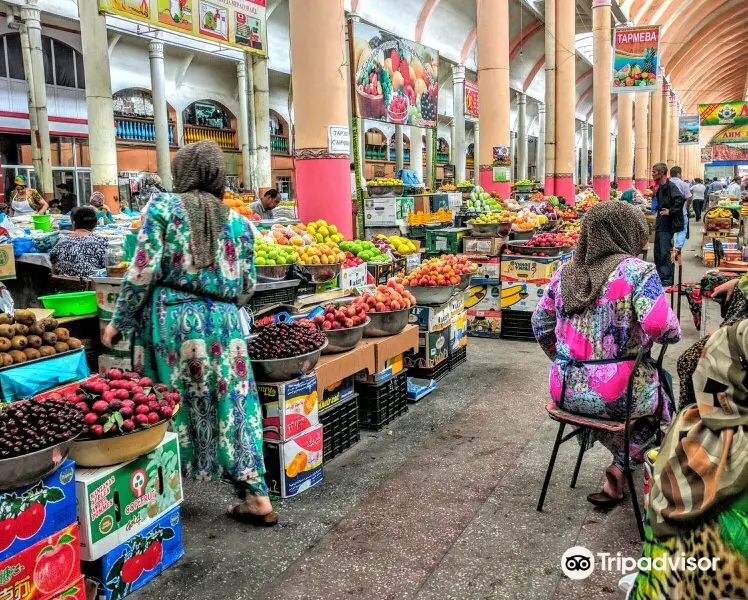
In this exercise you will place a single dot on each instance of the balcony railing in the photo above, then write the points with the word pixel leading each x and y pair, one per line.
pixel 375 152
pixel 136 130
pixel 442 157
pixel 225 138
pixel 278 144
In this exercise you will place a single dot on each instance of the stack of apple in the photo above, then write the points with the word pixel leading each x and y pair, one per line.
pixel 121 403
pixel 344 317
pixel 392 296
pixel 442 271
pixel 352 261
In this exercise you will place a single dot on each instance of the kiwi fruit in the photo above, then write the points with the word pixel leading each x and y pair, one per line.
pixel 62 334
pixel 61 347
pixel 31 353
pixel 19 342
pixel 49 338
pixel 47 351
pixel 6 319
pixel 25 316
pixel 21 329
pixel 74 343
pixel 7 331
pixel 49 324
pixel 36 329
pixel 34 341
pixel 17 356
pixel 5 359
pixel 5 344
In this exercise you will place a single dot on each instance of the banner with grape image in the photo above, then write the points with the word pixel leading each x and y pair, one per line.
pixel 635 58
pixel 395 79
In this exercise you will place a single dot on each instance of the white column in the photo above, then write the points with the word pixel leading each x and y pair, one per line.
pixel 244 122
pixel 429 158
pixel 261 92
pixel 540 158
pixel 36 153
pixel 585 152
pixel 476 150
pixel 30 15
pixel 458 102
pixel 521 136
pixel 512 151
pixel 452 142
pixel 416 151
pixel 398 148
pixel 160 115
pixel 613 173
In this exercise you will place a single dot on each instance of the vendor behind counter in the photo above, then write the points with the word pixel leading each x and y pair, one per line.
pixel 265 205
pixel 83 253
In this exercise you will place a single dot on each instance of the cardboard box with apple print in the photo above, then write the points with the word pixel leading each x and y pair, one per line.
pixel 43 570
pixel 130 565
pixel 115 503
pixel 34 512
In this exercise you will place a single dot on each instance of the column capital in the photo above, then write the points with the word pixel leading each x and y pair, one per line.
pixel 585 125
pixel 155 49
pixel 541 108
pixel 601 3
pixel 458 73
pixel 241 68
pixel 30 14
pixel 521 98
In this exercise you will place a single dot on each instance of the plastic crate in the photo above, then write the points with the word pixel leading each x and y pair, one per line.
pixel 437 373
pixel 458 358
pixel 381 403
pixel 340 427
pixel 286 295
pixel 516 325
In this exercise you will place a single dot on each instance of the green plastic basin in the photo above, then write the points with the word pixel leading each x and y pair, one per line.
pixel 72 304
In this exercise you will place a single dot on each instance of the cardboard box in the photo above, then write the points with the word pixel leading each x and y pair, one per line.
pixel 484 323
pixel 385 348
pixel 430 318
pixel 488 268
pixel 484 246
pixel 352 277
pixel 458 332
pixel 7 262
pixel 44 569
pixel 433 348
pixel 483 294
pixel 518 269
pixel 457 302
pixel 380 212
pixel 289 407
pixel 393 366
pixel 114 503
pixel 336 392
pixel 136 561
pixel 36 511
pixel 335 367
pixel 403 207
pixel 521 296
pixel 295 465
pixel 75 591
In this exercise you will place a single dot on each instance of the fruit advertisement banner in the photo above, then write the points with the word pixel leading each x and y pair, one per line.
pixel 396 79
pixel 635 58
pixel 724 152
pixel 688 130
pixel 725 113
pixel 732 135
pixel 706 154
pixel 237 23
pixel 471 98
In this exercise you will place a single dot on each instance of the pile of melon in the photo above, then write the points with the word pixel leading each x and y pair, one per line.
pixel 24 338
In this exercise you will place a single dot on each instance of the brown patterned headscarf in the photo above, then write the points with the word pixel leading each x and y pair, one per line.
pixel 199 177
pixel 611 232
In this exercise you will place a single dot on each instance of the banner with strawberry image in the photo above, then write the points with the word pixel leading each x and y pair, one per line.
pixel 635 58
pixel 396 80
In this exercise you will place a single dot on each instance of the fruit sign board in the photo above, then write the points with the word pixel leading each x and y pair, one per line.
pixel 688 130
pixel 731 135
pixel 237 23
pixel 724 113
pixel 395 79
pixel 471 98
pixel 635 58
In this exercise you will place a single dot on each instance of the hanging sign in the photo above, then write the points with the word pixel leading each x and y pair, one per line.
pixel 471 98
pixel 338 139
pixel 635 58
pixel 725 113
pixel 732 135
pixel 501 164
pixel 688 129
pixel 237 23
pixel 706 154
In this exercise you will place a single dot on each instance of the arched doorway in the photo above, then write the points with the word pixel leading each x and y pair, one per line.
pixel 442 151
pixel 279 134
pixel 375 146
pixel 133 116
pixel 209 120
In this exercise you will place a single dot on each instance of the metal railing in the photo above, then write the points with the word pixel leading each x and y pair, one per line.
pixel 225 138
pixel 137 130
pixel 278 144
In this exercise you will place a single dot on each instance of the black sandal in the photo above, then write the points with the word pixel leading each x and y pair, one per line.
pixel 268 520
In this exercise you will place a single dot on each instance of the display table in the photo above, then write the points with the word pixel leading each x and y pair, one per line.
pixel 386 348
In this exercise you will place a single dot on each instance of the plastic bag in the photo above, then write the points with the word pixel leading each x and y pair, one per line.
pixel 6 301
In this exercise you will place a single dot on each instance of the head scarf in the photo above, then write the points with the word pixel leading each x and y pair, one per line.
pixel 703 463
pixel 199 177
pixel 611 232
pixel 96 200
pixel 20 180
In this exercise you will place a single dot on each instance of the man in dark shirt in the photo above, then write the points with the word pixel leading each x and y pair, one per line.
pixel 668 205
pixel 68 200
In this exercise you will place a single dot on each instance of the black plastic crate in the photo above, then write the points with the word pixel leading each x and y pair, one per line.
pixel 437 372
pixel 458 357
pixel 381 403
pixel 516 325
pixel 286 295
pixel 339 427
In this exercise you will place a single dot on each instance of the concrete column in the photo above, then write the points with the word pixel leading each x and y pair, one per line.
pixel 452 142
pixel 641 164
pixel 624 164
pixel 672 134
pixel 160 115
pixel 522 148
pixel 458 103
pixel 565 98
pixel 101 135
pixel 398 148
pixel 244 122
pixel 612 145
pixel 428 179
pixel 585 152
pixel 320 84
pixel 513 152
pixel 655 120
pixel 549 152
pixel 540 159
pixel 30 16
pixel 416 151
pixel 36 152
pixel 601 76
pixel 476 150
pixel 261 92
pixel 493 77
pixel 664 122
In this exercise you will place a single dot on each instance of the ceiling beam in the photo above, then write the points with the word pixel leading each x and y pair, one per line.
pixel 429 6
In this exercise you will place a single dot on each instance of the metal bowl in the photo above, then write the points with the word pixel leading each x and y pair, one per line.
pixel 490 229
pixel 271 272
pixel 283 369
pixel 521 235
pixel 522 248
pixel 323 273
pixel 342 340
pixel 431 295
pixel 464 282
pixel 382 324
pixel 24 470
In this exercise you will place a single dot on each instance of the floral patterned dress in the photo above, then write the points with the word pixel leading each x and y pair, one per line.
pixel 185 324
pixel 632 311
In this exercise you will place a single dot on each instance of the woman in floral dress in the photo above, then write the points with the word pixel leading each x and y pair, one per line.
pixel 193 266
pixel 596 314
